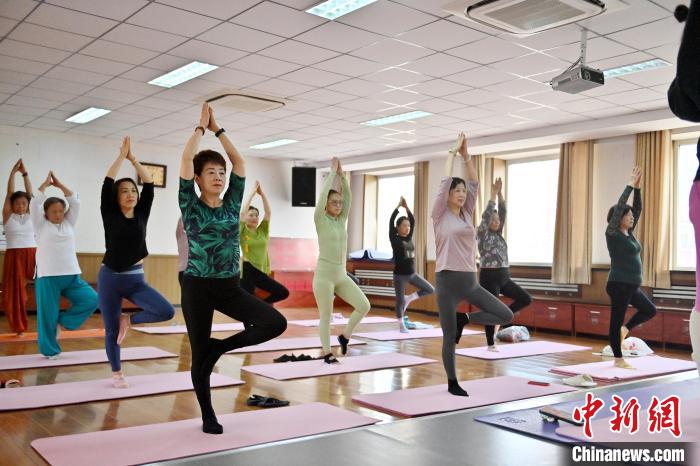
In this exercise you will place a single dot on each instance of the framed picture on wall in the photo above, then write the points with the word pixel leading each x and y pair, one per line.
pixel 158 172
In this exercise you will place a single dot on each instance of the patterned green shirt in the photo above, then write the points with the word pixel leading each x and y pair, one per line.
pixel 213 234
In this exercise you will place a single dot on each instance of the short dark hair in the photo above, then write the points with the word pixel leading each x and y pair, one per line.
pixel 331 192
pixel 456 181
pixel 625 209
pixel 402 219
pixel 18 194
pixel 115 188
pixel 206 156
pixel 254 208
pixel 51 201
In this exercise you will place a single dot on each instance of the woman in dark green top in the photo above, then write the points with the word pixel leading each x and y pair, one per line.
pixel 625 268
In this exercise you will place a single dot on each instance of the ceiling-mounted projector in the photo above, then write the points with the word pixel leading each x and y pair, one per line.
pixel 578 77
pixel 526 16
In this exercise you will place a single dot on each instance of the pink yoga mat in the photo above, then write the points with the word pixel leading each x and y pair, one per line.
pixel 342 321
pixel 422 401
pixel 169 329
pixel 280 344
pixel 171 440
pixel 99 390
pixel 396 335
pixel 517 350
pixel 689 422
pixel 318 368
pixel 646 366
pixel 73 358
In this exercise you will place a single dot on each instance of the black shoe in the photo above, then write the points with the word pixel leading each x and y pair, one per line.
pixel 343 344
pixel 304 357
pixel 462 320
pixel 330 359
pixel 285 358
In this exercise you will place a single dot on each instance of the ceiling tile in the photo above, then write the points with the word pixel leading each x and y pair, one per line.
pixel 6 25
pixel 33 105
pixel 652 77
pixel 113 94
pixel 429 7
pixel 222 9
pixel 144 38
pixel 665 52
pixel 80 76
pixel 17 9
pixel 207 53
pixel 508 105
pixel 143 75
pixel 234 78
pixel 23 66
pixel 264 65
pixel 284 21
pixel 546 114
pixel 392 52
pixel 239 37
pixel 163 104
pixel 518 87
pixel 482 76
pixel 440 87
pixel 441 35
pixel 631 97
pixel 362 105
pixel 596 49
pixel 563 35
pixel 439 65
pixel 32 52
pixel 587 105
pixel 553 98
pixel 7 88
pixel 439 105
pixel 281 88
pixel 338 37
pixel 325 96
pixel 349 65
pixel 473 97
pixel 40 35
pixel 52 94
pixel 60 85
pixel 84 62
pixel 70 21
pixel 650 105
pixel 611 86
pixel 634 15
pixel 118 52
pixel 13 77
pixel 106 8
pixel 621 60
pixel 528 65
pixel 662 32
pixel 173 20
pixel 165 62
pixel 298 52
pixel 386 18
pixel 397 77
pixel 314 77
pixel 489 50
pixel 359 87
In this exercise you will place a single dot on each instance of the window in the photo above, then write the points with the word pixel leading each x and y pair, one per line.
pixel 684 238
pixel 389 192
pixel 532 206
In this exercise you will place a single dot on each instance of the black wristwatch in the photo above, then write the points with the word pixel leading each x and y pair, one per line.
pixel 218 133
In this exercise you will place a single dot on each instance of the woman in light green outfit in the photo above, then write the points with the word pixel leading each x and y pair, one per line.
pixel 254 241
pixel 330 278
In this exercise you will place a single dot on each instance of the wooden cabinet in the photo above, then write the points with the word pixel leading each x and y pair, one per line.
pixel 651 330
pixel 677 327
pixel 525 317
pixel 553 315
pixel 594 320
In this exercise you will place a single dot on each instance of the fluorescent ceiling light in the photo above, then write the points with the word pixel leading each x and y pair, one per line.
pixel 271 144
pixel 333 9
pixel 396 118
pixel 88 115
pixel 182 74
pixel 635 68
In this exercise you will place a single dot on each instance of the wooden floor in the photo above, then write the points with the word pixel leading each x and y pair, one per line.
pixel 18 429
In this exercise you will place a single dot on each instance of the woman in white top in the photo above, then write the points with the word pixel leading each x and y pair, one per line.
pixel 57 269
pixel 18 266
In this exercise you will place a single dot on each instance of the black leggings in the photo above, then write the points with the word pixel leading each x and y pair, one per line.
pixel 200 297
pixel 253 278
pixel 621 296
pixel 498 282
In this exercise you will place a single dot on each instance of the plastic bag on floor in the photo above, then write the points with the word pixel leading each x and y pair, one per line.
pixel 631 347
pixel 514 334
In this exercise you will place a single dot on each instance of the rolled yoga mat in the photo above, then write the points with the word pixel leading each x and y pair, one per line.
pixel 281 344
pixel 646 366
pixel 74 358
pixel 342 321
pixel 318 368
pixel 170 329
pixel 518 350
pixel 396 335
pixel 180 439
pixel 422 401
pixel 59 394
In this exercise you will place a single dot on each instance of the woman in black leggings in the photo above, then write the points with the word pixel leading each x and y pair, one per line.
pixel 494 274
pixel 625 275
pixel 211 279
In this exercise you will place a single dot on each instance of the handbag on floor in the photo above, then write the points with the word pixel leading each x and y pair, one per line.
pixel 631 347
pixel 514 334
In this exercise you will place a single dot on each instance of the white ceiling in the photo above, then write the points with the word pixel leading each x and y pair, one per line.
pixel 58 57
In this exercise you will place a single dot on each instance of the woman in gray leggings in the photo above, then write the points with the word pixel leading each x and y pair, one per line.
pixel 401 237
pixel 456 280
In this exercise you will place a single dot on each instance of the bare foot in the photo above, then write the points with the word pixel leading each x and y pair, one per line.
pixel 402 327
pixel 493 348
pixel 118 380
pixel 622 364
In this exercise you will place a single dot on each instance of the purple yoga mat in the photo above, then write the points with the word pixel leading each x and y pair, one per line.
pixel 170 329
pixel 396 335
pixel 73 358
pixel 518 350
pixel 646 366
pixel 180 439
pixel 318 368
pixel 422 401
pixel 342 321
pixel 281 344
pixel 99 390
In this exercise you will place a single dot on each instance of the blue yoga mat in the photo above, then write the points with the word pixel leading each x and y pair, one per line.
pixel 530 422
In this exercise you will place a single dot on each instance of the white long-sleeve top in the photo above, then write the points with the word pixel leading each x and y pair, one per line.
pixel 55 254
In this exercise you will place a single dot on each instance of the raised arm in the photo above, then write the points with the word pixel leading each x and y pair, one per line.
pixel 320 210
pixel 146 198
pixel 25 177
pixel 246 204
pixel 614 223
pixel 36 206
pixel 637 203
pixel 266 203
pixel 7 206
pixel 233 155
pixel 501 205
pixel 71 197
pixel 485 219
pixel 117 164
pixel 186 163
pixel 392 225
pixel 347 194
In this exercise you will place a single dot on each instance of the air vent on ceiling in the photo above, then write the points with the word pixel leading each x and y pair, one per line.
pixel 244 102
pixel 526 16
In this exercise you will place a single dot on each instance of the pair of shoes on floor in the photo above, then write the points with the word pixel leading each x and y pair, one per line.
pixel 293 358
pixel 10 383
pixel 581 380
pixel 266 402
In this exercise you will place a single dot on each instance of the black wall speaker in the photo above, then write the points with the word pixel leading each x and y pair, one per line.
pixel 303 186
